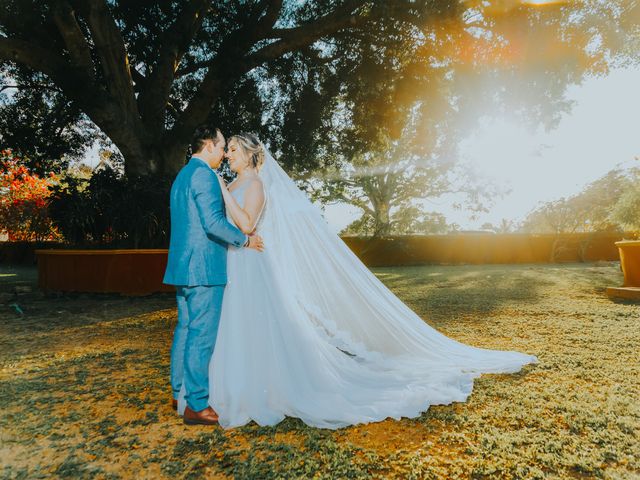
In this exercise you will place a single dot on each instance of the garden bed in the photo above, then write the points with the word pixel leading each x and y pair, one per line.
pixel 128 272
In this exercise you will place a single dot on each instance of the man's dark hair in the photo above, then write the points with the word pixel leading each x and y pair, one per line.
pixel 201 135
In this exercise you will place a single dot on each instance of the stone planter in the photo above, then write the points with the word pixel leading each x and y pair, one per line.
pixel 128 272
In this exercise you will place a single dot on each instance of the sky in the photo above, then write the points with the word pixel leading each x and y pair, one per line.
pixel 602 130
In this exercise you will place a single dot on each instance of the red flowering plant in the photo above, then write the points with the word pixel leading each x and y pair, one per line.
pixel 24 201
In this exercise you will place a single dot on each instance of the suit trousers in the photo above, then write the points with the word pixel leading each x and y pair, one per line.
pixel 194 339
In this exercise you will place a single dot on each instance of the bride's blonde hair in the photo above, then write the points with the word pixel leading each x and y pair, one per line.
pixel 252 146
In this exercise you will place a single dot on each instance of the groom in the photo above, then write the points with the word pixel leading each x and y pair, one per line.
pixel 197 266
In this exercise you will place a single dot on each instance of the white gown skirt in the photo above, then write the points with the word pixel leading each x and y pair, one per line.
pixel 273 358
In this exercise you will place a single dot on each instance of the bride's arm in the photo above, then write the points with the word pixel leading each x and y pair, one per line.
pixel 247 217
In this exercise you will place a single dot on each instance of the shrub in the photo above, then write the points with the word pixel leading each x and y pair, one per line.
pixel 113 210
pixel 24 201
pixel 627 210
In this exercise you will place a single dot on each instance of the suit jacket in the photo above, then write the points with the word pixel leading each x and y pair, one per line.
pixel 200 232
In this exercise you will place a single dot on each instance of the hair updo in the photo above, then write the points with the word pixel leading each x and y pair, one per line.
pixel 252 146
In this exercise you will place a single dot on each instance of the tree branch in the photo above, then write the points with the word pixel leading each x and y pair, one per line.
pixel 231 61
pixel 356 202
pixel 137 77
pixel 32 56
pixel 87 94
pixel 176 41
pixel 31 87
pixel 65 19
pixel 112 53
pixel 298 37
pixel 339 18
pixel 193 68
pixel 270 17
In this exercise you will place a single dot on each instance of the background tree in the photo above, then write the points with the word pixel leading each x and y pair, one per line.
pixel 383 185
pixel 505 226
pixel 591 210
pixel 386 185
pixel 626 212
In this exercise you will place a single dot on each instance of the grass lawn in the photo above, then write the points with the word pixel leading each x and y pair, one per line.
pixel 84 388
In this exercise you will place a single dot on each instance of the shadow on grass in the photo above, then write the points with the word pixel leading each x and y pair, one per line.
pixel 454 291
pixel 34 324
pixel 12 276
pixel 54 311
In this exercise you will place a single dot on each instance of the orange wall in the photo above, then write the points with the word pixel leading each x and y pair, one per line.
pixel 140 272
pixel 486 248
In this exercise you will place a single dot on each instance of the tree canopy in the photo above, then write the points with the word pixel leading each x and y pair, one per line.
pixel 147 72
pixel 330 85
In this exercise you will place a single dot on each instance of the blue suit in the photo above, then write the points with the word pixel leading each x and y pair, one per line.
pixel 197 266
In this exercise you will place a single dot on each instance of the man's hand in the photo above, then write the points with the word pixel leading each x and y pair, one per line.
pixel 255 242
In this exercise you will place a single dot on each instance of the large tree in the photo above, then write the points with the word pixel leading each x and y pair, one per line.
pixel 147 72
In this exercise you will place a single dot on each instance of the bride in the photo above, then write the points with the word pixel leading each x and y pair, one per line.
pixel 308 331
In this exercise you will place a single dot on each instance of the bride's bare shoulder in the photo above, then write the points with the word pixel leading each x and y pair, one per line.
pixel 256 186
pixel 257 180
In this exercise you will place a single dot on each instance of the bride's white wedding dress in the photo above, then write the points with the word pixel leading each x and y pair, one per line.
pixel 308 331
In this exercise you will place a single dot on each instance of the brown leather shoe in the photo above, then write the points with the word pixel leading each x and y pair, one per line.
pixel 174 404
pixel 208 416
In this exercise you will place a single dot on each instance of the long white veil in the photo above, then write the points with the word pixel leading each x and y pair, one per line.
pixel 344 301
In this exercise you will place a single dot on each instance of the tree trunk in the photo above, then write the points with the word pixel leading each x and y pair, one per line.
pixel 155 159
pixel 174 156
pixel 148 153
pixel 382 221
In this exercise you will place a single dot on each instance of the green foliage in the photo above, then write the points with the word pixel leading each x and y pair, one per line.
pixel 591 210
pixel 111 209
pixel 275 68
pixel 626 211
pixel 505 226
pixel 333 96
pixel 42 125
pixel 408 219
pixel 343 72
